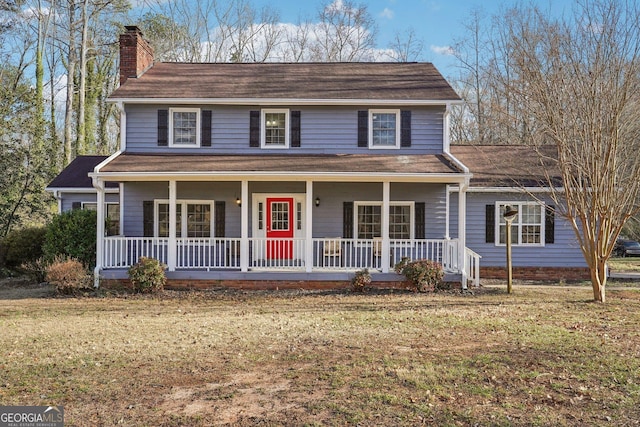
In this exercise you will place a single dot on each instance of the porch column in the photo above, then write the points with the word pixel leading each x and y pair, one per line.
pixel 98 184
pixel 462 232
pixel 447 213
pixel 384 262
pixel 173 242
pixel 244 226
pixel 308 232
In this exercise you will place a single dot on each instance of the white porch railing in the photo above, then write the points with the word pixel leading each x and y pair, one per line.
pixel 335 254
pixel 208 253
pixel 122 252
pixel 473 266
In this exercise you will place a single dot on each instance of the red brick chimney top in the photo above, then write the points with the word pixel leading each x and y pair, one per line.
pixel 136 54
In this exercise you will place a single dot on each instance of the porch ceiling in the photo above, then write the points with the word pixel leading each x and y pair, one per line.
pixel 420 166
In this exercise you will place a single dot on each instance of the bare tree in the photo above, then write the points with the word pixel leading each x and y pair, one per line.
pixel 345 33
pixel 406 46
pixel 578 79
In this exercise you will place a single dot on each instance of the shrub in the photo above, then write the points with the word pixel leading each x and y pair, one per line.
pixel 424 275
pixel 36 269
pixel 361 280
pixel 147 275
pixel 68 275
pixel 23 245
pixel 73 234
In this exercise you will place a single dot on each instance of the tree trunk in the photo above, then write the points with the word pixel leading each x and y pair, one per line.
pixel 81 138
pixel 69 152
pixel 599 281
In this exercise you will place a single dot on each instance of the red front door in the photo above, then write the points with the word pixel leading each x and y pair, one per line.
pixel 280 227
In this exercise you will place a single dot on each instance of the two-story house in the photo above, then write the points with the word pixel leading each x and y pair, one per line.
pixel 287 172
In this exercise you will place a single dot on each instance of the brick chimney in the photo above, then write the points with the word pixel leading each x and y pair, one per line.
pixel 136 55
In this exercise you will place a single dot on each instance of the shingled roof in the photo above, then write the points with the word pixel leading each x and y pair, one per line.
pixel 76 174
pixel 310 81
pixel 508 165
pixel 273 163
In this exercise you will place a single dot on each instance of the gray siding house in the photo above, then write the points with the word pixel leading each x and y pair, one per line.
pixel 290 172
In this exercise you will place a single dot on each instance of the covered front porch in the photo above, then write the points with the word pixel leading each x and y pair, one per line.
pixel 311 225
pixel 286 255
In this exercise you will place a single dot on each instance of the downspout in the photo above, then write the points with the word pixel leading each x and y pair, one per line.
pixel 98 184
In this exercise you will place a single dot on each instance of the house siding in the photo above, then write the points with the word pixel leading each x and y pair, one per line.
pixel 68 199
pixel 564 252
pixel 327 218
pixel 324 130
pixel 135 193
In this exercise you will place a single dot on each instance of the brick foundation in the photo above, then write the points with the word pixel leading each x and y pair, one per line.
pixel 125 284
pixel 176 284
pixel 536 273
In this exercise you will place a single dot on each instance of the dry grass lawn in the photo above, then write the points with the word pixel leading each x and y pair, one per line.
pixel 545 355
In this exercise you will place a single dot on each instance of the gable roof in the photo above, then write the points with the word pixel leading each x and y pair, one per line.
pixel 401 81
pixel 508 165
pixel 75 175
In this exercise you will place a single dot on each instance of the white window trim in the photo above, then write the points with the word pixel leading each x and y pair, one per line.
pixel 518 205
pixel 198 126
pixel 84 204
pixel 183 212
pixel 96 203
pixel 398 123
pixel 263 128
pixel 411 204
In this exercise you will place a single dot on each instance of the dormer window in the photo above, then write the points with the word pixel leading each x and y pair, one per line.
pixel 275 128
pixel 384 128
pixel 184 127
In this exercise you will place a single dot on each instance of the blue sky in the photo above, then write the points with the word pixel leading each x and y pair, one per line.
pixel 437 22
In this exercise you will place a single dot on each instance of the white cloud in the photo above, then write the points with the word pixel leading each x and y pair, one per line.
pixel 442 50
pixel 387 13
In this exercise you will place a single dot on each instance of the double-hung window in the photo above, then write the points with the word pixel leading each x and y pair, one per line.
pixel 368 220
pixel 384 128
pixel 275 128
pixel 111 216
pixel 184 127
pixel 527 228
pixel 193 218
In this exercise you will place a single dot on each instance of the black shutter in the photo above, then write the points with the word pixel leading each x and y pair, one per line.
pixel 219 219
pixel 147 218
pixel 363 128
pixel 549 224
pixel 163 128
pixel 419 210
pixel 205 128
pixel 405 128
pixel 295 128
pixel 254 129
pixel 347 220
pixel 76 205
pixel 490 224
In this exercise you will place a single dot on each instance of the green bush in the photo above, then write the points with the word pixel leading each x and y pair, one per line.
pixel 73 234
pixel 68 275
pixel 424 275
pixel 361 280
pixel 147 276
pixel 22 246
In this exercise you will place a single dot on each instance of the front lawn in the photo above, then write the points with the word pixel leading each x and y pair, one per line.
pixel 545 355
